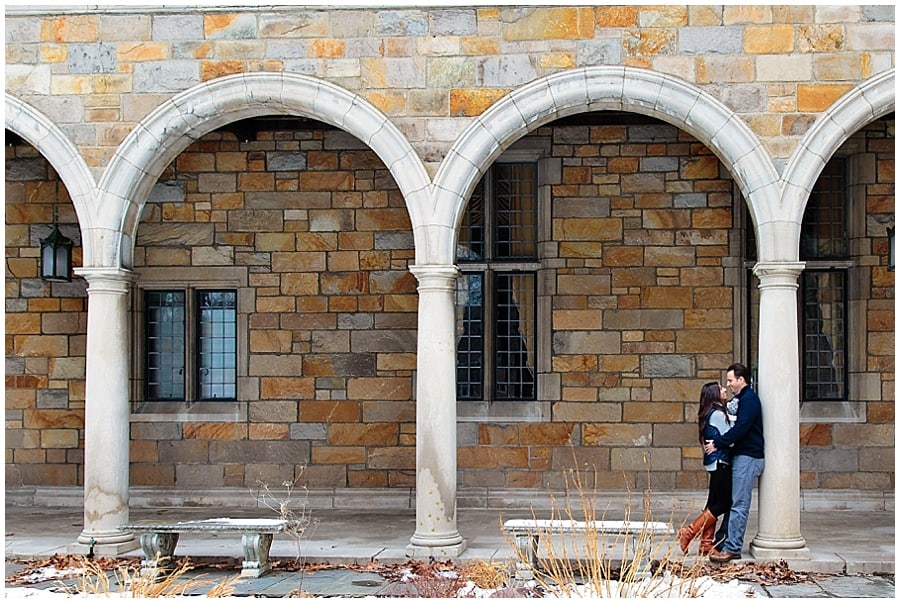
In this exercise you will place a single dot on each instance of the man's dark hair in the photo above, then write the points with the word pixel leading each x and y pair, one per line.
pixel 739 371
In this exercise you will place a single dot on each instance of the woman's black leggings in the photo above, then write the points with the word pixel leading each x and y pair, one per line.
pixel 718 500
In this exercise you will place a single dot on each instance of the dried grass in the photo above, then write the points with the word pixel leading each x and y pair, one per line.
pixel 127 580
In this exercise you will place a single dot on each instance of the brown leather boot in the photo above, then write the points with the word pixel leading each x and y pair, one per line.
pixel 687 533
pixel 707 535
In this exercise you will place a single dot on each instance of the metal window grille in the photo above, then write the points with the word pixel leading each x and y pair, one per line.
pixel 470 336
pixel 217 345
pixel 495 349
pixel 824 334
pixel 823 234
pixel 164 313
pixel 515 205
pixel 514 337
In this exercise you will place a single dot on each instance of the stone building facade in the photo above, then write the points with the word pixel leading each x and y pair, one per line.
pixel 683 174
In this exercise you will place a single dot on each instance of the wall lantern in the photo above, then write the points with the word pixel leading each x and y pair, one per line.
pixel 56 255
pixel 890 234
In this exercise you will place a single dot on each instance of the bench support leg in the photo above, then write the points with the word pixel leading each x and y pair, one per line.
pixel 159 552
pixel 527 548
pixel 256 554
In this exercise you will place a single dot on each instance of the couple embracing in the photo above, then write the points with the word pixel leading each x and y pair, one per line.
pixel 731 434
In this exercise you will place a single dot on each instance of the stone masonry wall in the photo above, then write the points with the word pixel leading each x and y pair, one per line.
pixel 431 70
pixel 641 267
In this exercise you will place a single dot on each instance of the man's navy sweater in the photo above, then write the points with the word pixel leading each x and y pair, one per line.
pixel 747 432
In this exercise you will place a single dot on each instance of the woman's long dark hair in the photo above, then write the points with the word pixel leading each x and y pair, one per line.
pixel 710 397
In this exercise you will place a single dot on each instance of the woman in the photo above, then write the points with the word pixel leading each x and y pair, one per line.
pixel 712 419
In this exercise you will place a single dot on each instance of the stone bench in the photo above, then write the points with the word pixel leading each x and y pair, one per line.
pixel 618 538
pixel 158 540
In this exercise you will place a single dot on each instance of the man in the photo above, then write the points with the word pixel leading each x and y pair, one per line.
pixel 748 459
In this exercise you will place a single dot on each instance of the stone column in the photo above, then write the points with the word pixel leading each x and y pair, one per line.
pixel 106 414
pixel 436 534
pixel 779 390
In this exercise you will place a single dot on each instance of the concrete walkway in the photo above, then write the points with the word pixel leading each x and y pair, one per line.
pixel 842 543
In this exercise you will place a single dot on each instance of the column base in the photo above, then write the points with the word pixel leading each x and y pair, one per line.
pixel 103 550
pixel 443 551
pixel 767 549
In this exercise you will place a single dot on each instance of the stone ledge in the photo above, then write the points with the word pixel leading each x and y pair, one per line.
pixel 404 498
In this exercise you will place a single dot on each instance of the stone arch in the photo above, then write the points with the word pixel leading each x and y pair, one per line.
pixel 62 154
pixel 601 88
pixel 168 130
pixel 857 108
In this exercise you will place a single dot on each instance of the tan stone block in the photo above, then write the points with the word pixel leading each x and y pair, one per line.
pixel 616 434
pixel 381 411
pixel 707 319
pixel 587 411
pixel 299 262
pixel 587 229
pixel 22 267
pixel 214 431
pixel 67 368
pixel 704 341
pixel 52 418
pixel 371 434
pixel 578 320
pixel 401 303
pixel 575 363
pixel 619 363
pixel 59 438
pixel 300 283
pixel 769 39
pixel 852 434
pixel 327 181
pixel 560 23
pixel 142 51
pixel 713 297
pixel 329 411
pixel 473 102
pixel 270 341
pixel 704 16
pixel 666 297
pixel 616 16
pixel 654 412
pixel 29 456
pixel 382 219
pixel 482 457
pixel 256 181
pixel 394 457
pixel 881 343
pixel 379 388
pixel 648 42
pixel 54 53
pixel 276 304
pixel 286 388
pixel 151 475
pixel 818 97
pixel 701 277
pixel 396 362
pixel 40 345
pixel 880 412
pixel 22 323
pixel 749 13
pixel 269 431
pixel 338 455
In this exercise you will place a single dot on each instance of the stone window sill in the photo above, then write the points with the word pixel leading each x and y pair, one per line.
pixel 206 411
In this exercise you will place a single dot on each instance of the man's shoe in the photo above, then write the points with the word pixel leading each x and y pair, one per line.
pixel 723 556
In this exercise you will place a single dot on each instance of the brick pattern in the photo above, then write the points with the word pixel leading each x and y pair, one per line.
pixel 639 266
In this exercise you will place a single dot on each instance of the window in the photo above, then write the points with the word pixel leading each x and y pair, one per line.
pixel 174 370
pixel 496 296
pixel 823 298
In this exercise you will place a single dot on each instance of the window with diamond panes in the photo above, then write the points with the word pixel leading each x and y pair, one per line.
pixel 496 291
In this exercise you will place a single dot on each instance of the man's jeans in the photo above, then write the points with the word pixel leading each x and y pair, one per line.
pixel 744 471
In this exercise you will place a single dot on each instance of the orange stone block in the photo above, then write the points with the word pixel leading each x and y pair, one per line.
pixel 210 70
pixel 286 388
pixel 337 411
pixel 213 431
pixel 493 435
pixel 560 23
pixel 143 51
pixel 473 102
pixel 819 97
pixel 269 431
pixel 769 39
pixel 546 434
pixel 325 49
pixel 369 434
pixel 485 457
pixel 616 16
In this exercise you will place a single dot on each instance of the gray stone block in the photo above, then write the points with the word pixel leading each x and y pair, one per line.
pixel 710 40
pixel 666 365
pixel 178 27
pixel 92 58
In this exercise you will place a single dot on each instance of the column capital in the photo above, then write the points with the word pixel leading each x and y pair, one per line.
pixel 778 274
pixel 109 280
pixel 435 276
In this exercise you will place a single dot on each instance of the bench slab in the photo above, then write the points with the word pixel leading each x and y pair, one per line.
pixel 526 535
pixel 159 539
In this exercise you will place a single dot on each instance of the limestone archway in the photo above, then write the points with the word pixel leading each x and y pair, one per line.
pixel 592 89
pixel 62 154
pixel 857 108
pixel 175 124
